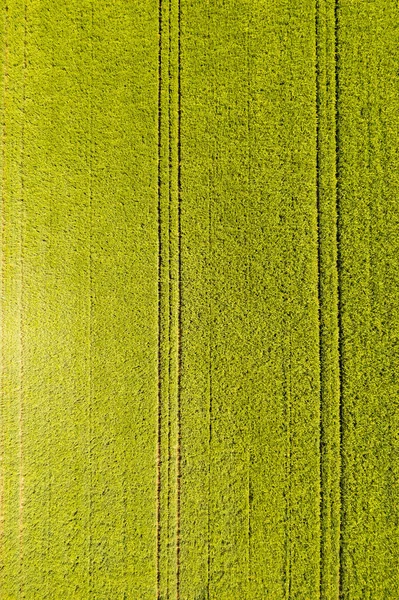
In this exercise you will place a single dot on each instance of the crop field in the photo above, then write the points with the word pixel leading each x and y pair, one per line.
pixel 199 300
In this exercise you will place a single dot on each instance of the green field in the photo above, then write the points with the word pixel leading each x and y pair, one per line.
pixel 199 300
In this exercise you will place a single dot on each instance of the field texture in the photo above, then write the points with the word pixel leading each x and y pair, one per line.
pixel 199 300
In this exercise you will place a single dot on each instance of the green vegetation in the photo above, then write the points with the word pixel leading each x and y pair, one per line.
pixel 199 300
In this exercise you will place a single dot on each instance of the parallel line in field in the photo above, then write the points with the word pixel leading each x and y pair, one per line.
pixel 286 543
pixel 289 466
pixel 21 300
pixel 90 291
pixel 49 440
pixel 210 332
pixel 249 159
pixel 319 294
pixel 339 292
pixel 159 357
pixel 170 283
pixel 210 407
pixel 2 299
pixel 179 315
